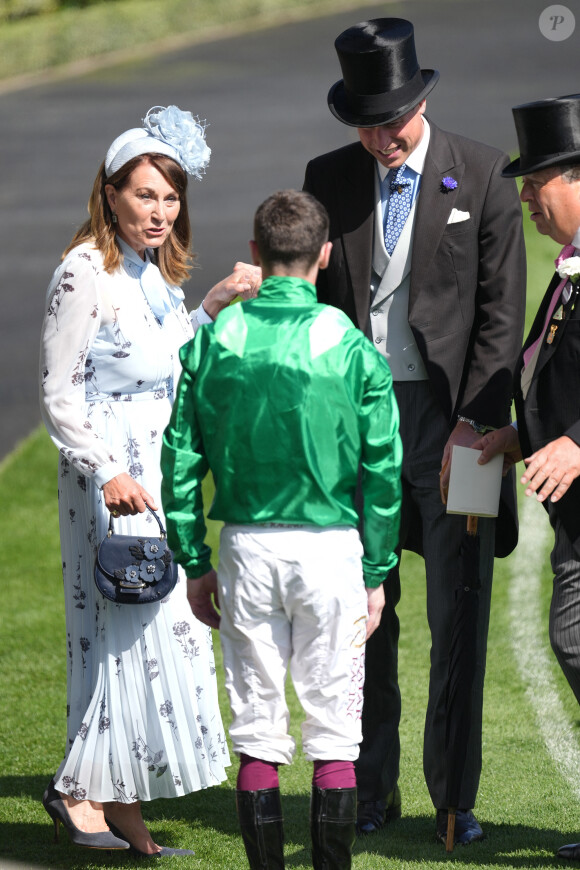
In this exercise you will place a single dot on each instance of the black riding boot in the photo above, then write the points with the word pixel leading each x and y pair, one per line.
pixel 260 815
pixel 332 826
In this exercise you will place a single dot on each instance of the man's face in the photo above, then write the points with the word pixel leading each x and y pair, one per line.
pixel 554 203
pixel 391 144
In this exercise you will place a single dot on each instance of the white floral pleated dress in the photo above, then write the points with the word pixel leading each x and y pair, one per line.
pixel 143 714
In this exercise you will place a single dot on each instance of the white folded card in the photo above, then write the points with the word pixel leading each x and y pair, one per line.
pixel 474 489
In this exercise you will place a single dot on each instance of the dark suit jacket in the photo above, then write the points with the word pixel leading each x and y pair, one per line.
pixel 467 291
pixel 552 405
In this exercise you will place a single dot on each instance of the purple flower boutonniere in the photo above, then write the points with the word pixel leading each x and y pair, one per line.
pixel 448 183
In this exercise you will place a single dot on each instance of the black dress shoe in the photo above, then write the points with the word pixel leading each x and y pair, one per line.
pixel 571 852
pixel 373 815
pixel 467 828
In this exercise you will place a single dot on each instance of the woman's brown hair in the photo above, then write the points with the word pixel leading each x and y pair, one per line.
pixel 174 257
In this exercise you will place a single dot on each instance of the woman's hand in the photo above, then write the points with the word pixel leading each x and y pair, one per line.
pixel 124 496
pixel 244 282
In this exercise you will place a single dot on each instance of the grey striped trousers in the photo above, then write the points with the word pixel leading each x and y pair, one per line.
pixel 565 607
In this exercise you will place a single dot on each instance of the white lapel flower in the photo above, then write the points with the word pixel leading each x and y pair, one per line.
pixel 570 268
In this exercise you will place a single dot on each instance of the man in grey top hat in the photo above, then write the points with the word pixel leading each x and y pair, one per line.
pixel 428 260
pixel 547 378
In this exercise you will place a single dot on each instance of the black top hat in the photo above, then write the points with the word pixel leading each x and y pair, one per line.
pixel 381 76
pixel 548 134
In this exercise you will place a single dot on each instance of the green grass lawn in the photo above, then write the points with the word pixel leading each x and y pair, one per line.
pixel 33 45
pixel 524 804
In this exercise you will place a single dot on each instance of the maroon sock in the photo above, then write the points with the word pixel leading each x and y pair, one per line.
pixel 255 774
pixel 333 774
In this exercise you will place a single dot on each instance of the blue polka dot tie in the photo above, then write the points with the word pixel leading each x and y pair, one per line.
pixel 399 206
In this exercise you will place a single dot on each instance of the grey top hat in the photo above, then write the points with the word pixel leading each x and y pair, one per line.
pixel 381 76
pixel 548 135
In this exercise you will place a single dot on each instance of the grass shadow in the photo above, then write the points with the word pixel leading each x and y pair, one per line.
pixel 412 839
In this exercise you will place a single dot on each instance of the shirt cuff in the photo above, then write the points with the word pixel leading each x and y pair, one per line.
pixel 201 315
pixel 106 473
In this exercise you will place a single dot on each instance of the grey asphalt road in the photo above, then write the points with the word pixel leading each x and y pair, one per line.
pixel 264 96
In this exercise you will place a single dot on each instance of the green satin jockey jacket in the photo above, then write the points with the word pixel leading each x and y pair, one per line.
pixel 284 399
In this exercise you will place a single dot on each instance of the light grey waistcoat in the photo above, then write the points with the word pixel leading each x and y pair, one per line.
pixel 389 312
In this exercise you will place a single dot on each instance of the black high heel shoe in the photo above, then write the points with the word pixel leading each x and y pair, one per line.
pixel 56 809
pixel 164 852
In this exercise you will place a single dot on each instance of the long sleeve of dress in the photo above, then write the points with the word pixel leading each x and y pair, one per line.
pixel 199 317
pixel 71 324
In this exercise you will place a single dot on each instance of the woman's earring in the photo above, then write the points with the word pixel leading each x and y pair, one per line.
pixel 114 218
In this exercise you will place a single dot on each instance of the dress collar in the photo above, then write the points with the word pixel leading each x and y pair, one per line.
pixel 162 297
pixel 131 256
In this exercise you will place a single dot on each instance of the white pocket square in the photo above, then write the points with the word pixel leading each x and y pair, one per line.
pixel 456 216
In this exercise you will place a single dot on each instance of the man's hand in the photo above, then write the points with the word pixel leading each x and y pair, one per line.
pixel 376 602
pixel 202 592
pixel 505 440
pixel 552 469
pixel 463 435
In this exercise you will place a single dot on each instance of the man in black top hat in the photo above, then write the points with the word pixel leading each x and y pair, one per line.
pixel 428 260
pixel 547 379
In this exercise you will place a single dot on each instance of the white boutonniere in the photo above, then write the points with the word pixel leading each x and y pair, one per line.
pixel 570 268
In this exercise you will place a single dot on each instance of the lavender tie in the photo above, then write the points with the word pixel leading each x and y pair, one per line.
pixel 567 251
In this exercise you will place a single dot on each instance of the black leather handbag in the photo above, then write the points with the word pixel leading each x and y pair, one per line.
pixel 135 570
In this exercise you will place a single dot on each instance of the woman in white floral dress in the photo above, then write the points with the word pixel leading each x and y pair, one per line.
pixel 143 715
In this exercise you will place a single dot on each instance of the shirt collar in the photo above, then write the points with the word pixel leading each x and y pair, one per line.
pixel 415 160
pixel 576 240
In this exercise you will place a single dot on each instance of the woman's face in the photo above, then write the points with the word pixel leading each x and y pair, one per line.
pixel 146 208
